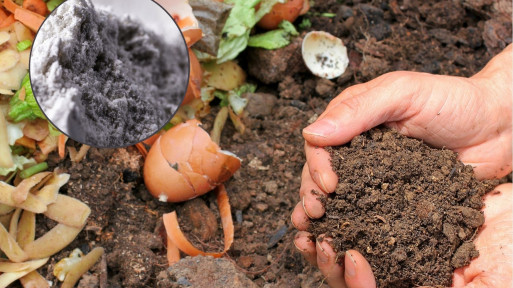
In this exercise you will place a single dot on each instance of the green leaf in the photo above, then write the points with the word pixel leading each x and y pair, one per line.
pixel 223 96
pixel 328 15
pixel 237 28
pixel 305 24
pixel 168 126
pixel 245 88
pixel 23 45
pixel 52 4
pixel 53 131
pixel 288 27
pixel 24 109
pixel 274 39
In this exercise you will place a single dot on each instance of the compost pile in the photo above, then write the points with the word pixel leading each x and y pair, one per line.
pixel 410 209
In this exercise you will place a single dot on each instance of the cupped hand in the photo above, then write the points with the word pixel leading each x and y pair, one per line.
pixel 491 269
pixel 471 116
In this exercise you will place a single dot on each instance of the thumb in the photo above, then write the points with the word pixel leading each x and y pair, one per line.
pixel 358 272
pixel 350 115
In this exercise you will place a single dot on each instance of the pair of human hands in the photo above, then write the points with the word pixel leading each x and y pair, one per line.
pixel 471 116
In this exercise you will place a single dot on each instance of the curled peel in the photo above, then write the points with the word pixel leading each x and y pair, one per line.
pixel 178 241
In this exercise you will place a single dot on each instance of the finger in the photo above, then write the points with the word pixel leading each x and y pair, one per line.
pixel 319 164
pixel 310 194
pixel 299 218
pixel 354 115
pixel 328 264
pixel 354 90
pixel 305 245
pixel 358 272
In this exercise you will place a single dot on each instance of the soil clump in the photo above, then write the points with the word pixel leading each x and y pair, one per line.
pixel 410 209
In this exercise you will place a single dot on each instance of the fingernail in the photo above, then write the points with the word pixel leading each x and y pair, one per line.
pixel 295 245
pixel 320 181
pixel 351 268
pixel 323 256
pixel 291 221
pixel 306 212
pixel 321 128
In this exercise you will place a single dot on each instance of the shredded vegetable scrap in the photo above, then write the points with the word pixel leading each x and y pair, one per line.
pixel 23 45
pixel 33 170
pixel 77 269
pixel 52 4
pixel 37 194
pixel 26 108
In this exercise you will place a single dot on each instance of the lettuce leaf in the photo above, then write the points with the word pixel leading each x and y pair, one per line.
pixel 19 162
pixel 24 109
pixel 241 20
pixel 274 39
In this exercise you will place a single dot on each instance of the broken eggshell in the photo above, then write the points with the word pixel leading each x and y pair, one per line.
pixel 324 54
pixel 185 163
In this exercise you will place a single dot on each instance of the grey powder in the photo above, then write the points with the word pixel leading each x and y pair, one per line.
pixel 103 80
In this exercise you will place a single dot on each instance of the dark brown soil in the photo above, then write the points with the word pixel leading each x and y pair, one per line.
pixel 381 36
pixel 411 210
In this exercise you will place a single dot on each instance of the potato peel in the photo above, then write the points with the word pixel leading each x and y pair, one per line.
pixel 81 267
pixel 34 280
pixel 52 242
pixel 8 278
pixel 37 194
pixel 68 211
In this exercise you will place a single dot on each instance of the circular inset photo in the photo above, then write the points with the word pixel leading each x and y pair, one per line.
pixel 109 73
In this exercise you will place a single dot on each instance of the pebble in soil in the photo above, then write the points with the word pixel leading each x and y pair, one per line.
pixel 410 209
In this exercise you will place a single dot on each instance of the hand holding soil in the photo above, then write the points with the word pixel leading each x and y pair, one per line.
pixel 471 116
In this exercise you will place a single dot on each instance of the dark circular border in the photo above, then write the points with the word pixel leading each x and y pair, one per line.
pixel 160 128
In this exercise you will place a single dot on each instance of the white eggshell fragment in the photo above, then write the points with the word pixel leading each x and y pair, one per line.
pixel 324 54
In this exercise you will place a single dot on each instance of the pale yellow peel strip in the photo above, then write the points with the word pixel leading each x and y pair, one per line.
pixel 32 203
pixel 81 153
pixel 6 219
pixel 68 211
pixel 52 242
pixel 5 150
pixel 34 280
pixel 5 209
pixel 8 278
pixel 9 246
pixel 13 226
pixel 13 267
pixel 82 267
pixel 21 191
pixel 26 229
pixel 48 194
